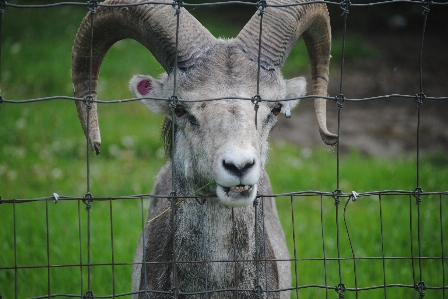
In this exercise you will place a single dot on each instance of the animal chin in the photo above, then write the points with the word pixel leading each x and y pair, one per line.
pixel 236 196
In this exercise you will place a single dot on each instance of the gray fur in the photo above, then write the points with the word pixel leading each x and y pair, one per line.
pixel 220 127
pixel 225 241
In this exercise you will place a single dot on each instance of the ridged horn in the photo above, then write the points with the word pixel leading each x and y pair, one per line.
pixel 152 25
pixel 282 26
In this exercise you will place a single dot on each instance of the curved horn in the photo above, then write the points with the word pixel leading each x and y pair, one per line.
pixel 282 26
pixel 154 26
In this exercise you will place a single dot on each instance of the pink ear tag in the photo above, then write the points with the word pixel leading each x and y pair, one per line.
pixel 144 86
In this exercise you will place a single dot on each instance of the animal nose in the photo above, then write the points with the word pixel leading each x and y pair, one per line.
pixel 238 168
pixel 236 165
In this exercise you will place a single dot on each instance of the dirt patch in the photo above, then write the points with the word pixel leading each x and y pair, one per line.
pixel 387 126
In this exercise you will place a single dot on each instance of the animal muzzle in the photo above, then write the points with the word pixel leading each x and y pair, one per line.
pixel 237 172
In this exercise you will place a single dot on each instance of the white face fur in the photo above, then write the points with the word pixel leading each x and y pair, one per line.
pixel 218 140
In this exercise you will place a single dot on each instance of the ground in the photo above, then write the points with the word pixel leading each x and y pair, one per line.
pixel 387 126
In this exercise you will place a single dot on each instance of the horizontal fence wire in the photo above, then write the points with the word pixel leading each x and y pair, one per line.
pixel 345 267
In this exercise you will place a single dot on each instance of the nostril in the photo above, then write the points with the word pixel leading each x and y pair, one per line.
pixel 247 166
pixel 239 170
pixel 230 167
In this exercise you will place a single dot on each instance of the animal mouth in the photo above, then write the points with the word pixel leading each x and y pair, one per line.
pixel 236 196
pixel 237 189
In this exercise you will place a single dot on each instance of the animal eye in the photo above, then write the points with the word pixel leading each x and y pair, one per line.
pixel 179 110
pixel 277 108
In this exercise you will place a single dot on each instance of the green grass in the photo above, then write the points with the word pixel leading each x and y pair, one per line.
pixel 43 152
pixel 301 169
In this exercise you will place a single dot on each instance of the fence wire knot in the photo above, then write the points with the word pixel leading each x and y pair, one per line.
pixel 339 99
pixel 88 101
pixel 417 197
pixel 261 6
pixel 340 289
pixel 426 4
pixel 88 295
pixel 173 292
pixel 419 99
pixel 177 4
pixel 345 6
pixel 174 100
pixel 88 199
pixel 354 196
pixel 336 194
pixel 256 100
pixel 92 5
pixel 56 197
pixel 173 199
pixel 257 291
pixel 420 288
pixel 255 204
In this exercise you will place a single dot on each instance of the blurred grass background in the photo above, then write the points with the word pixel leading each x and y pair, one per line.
pixel 43 151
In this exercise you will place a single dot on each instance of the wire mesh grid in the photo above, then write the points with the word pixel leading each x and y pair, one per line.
pixel 345 268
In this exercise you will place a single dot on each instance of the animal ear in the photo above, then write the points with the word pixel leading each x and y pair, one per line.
pixel 295 88
pixel 148 88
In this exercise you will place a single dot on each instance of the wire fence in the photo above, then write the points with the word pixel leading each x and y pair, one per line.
pixel 344 267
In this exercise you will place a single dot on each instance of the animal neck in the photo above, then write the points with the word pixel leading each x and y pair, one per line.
pixel 215 224
pixel 207 232
pixel 214 234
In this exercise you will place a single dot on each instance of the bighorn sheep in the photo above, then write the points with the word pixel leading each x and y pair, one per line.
pixel 214 140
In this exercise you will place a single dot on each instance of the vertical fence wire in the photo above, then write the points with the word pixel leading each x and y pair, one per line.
pixel 345 5
pixel 261 6
pixel 89 98
pixel 16 279
pixel 235 257
pixel 177 4
pixel 111 223
pixel 47 227
pixel 144 261
pixel 351 244
pixel 91 4
pixel 204 249
pixel 383 255
pixel 89 262
pixel 340 288
pixel 442 246
pixel 264 246
pixel 295 248
pixel 257 288
pixel 412 244
pixel 420 287
pixel 81 276
pixel 323 245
